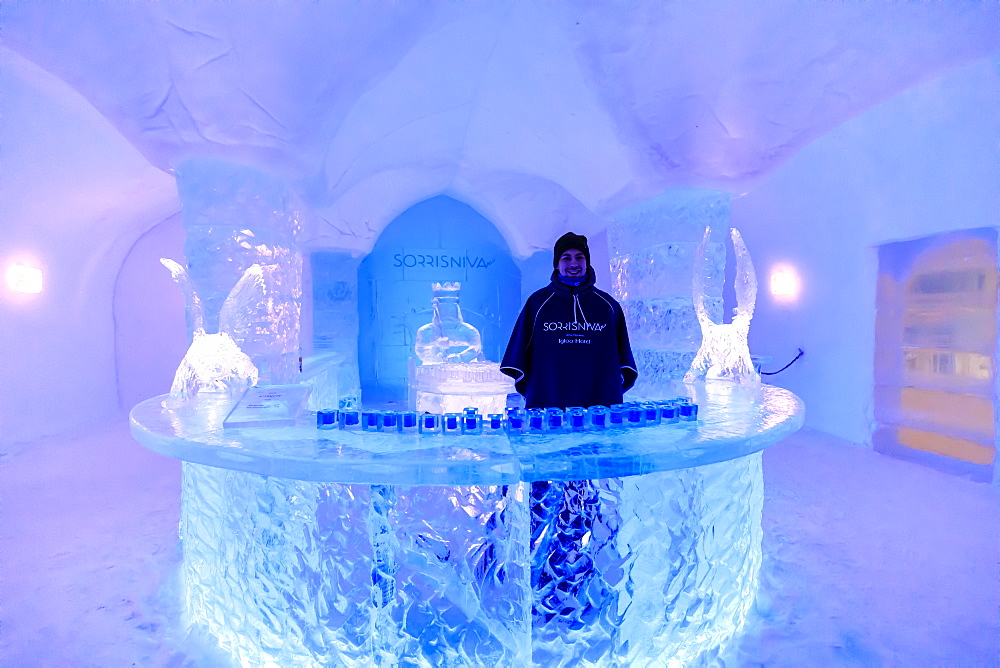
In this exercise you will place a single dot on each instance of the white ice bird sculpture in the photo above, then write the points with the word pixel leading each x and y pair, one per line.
pixel 214 362
pixel 724 353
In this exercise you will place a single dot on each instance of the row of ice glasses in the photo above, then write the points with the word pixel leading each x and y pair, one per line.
pixel 518 420
pixel 601 418
pixel 409 422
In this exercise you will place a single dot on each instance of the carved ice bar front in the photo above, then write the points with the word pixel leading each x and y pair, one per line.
pixel 307 547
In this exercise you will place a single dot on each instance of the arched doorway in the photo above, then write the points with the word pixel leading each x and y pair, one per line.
pixel 437 240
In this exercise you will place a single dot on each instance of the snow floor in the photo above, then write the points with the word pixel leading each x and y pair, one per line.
pixel 868 561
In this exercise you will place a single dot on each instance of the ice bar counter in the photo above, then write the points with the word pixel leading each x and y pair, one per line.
pixel 309 547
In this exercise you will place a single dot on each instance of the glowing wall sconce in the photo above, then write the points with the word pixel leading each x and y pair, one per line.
pixel 784 283
pixel 22 278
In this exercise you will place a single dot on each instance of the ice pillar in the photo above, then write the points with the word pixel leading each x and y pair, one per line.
pixel 335 325
pixel 707 573
pixel 234 217
pixel 653 248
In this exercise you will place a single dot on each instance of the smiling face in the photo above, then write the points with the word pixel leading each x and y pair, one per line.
pixel 572 263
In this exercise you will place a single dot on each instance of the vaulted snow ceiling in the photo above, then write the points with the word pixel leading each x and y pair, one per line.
pixel 534 112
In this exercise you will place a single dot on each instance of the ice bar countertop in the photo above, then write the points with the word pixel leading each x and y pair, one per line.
pixel 733 422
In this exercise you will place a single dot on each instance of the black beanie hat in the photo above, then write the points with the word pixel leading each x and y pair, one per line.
pixel 567 241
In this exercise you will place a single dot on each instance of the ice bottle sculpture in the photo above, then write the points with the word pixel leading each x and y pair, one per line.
pixel 447 338
pixel 214 362
pixel 724 353
pixel 453 373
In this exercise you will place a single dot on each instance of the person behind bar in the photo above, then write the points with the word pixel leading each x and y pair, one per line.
pixel 569 346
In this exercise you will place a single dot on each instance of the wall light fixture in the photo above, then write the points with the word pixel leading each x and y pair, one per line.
pixel 23 278
pixel 784 283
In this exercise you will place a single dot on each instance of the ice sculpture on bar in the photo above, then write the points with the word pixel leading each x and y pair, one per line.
pixel 453 373
pixel 214 362
pixel 447 337
pixel 653 248
pixel 236 216
pixel 724 353
pixel 448 388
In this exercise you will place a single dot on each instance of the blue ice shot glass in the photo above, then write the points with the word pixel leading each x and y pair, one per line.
pixel 597 418
pixel 472 423
pixel 389 422
pixel 371 420
pixel 451 423
pixel 326 419
pixel 576 418
pixel 493 424
pixel 517 421
pixel 350 421
pixel 554 419
pixel 408 422
pixel 536 421
pixel 617 418
pixel 430 423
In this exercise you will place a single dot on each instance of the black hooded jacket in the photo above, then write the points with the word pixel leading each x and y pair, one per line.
pixel 570 347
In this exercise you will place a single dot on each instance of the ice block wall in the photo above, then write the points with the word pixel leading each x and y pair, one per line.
pixel 234 217
pixel 653 249
pixel 935 350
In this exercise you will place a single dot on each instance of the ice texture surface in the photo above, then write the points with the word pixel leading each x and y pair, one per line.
pixel 323 373
pixel 585 572
pixel 659 567
pixel 236 217
pixel 724 353
pixel 213 363
pixel 447 338
pixel 655 249
pixel 317 574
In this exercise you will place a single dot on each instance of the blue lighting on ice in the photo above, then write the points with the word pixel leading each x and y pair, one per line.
pixel 313 169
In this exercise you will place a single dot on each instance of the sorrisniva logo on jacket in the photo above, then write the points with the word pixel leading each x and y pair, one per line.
pixel 573 326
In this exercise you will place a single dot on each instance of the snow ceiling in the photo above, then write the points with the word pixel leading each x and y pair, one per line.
pixel 535 113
